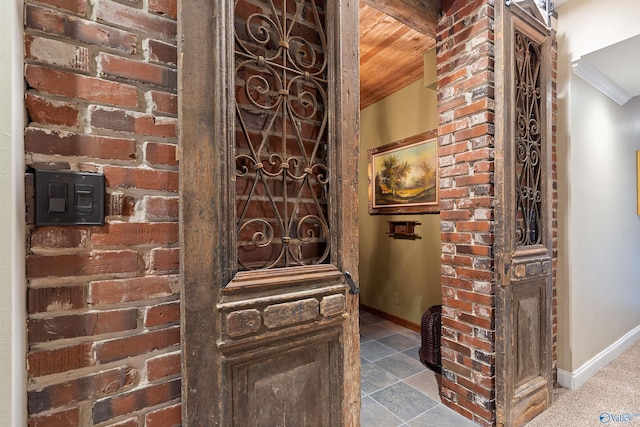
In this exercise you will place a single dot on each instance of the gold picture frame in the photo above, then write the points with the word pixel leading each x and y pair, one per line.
pixel 403 176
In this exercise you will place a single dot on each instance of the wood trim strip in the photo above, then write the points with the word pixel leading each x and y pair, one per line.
pixel 391 318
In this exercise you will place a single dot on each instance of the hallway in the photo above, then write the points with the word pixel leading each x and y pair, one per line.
pixel 396 389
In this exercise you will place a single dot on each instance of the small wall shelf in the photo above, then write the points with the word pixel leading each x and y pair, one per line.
pixel 403 230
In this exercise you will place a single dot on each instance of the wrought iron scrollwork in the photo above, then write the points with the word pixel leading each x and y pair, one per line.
pixel 281 144
pixel 528 140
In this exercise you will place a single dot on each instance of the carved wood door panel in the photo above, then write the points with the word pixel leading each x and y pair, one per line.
pixel 268 122
pixel 523 212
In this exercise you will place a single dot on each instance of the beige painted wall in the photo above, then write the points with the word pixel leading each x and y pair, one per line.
pixel 12 324
pixel 599 241
pixel 399 277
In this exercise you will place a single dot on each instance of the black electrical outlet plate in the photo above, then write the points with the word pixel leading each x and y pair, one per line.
pixel 69 198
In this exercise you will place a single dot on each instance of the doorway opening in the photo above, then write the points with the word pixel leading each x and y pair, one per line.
pixel 399 278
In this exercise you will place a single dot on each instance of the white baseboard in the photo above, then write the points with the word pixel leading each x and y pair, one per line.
pixel 573 380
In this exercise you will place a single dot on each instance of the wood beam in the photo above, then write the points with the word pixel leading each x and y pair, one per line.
pixel 421 15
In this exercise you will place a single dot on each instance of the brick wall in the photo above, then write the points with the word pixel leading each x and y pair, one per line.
pixel 103 302
pixel 466 108
pixel 466 153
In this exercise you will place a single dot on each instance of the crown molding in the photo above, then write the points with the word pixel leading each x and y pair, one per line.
pixel 583 68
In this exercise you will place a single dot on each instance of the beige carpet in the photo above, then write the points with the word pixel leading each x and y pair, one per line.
pixel 609 398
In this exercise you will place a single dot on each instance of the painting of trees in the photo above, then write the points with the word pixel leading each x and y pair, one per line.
pixel 394 172
pixel 404 174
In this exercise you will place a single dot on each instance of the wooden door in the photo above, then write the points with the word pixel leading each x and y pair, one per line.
pixel 269 132
pixel 523 213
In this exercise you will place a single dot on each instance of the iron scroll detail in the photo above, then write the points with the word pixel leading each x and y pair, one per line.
pixel 281 134
pixel 528 141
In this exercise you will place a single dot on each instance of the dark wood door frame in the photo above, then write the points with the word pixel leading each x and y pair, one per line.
pixel 207 242
pixel 523 254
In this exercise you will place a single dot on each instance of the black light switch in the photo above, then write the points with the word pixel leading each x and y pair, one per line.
pixel 57 197
pixel 84 197
pixel 69 198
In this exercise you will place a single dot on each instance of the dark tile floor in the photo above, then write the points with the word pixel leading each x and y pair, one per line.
pixel 396 389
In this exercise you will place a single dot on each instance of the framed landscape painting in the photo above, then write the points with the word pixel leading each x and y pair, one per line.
pixel 403 176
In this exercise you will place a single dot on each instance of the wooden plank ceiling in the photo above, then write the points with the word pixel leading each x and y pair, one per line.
pixel 391 54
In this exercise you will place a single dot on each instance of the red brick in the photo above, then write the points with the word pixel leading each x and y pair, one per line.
pixel 458 75
pixel 461 370
pixel 163 366
pixel 76 6
pixel 474 155
pixel 474 202
pixel 474 132
pixel 135 400
pixel 59 360
pixel 73 144
pixel 135 233
pixel 134 289
pixel 160 154
pixel 132 69
pixel 165 259
pixel 457 260
pixel 469 180
pixel 159 208
pixel 453 215
pixel 78 86
pixel 476 409
pixel 141 178
pixel 474 274
pixel 457 282
pixel 450 104
pixel 474 226
pixel 479 28
pixel 163 102
pixel 168 8
pixel 458 147
pixel 162 52
pixel 129 17
pixel 57 298
pixel 162 314
pixel 131 422
pixel 135 345
pixel 458 326
pixel 49 112
pixel 54 22
pixel 472 108
pixel 79 264
pixel 65 418
pixel 128 121
pixel 448 193
pixel 165 417
pixel 475 297
pixel 476 343
pixel 460 305
pixel 58 237
pixel 476 321
pixel 81 325
pixel 455 237
pixel 474 249
pixel 57 53
pixel 84 388
pixel 461 169
pixel 452 127
pixel 456 346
